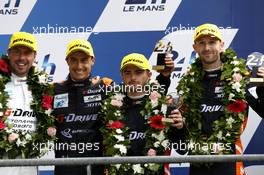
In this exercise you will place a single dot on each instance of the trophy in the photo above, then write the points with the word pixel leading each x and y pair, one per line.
pixel 162 48
pixel 172 101
pixel 254 61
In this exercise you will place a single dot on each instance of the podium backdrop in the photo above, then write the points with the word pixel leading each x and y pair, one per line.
pixel 118 27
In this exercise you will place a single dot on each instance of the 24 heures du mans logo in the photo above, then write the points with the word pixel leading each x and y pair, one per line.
pixel 10 7
pixel 144 5
pixel 48 67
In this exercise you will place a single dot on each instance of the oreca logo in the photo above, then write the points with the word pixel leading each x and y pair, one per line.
pixel 10 7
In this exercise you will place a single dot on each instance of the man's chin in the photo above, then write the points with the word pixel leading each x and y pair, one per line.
pixel 134 85
pixel 20 73
pixel 79 78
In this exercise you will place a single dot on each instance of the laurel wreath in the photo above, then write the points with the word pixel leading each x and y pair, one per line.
pixel 227 128
pixel 23 143
pixel 115 132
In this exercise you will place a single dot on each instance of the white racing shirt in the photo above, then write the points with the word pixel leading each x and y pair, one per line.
pixel 21 116
pixel 19 112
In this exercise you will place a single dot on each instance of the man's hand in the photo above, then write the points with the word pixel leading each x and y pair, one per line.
pixel 169 66
pixel 152 152
pixel 177 118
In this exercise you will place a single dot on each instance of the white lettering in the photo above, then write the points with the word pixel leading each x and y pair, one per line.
pixel 213 108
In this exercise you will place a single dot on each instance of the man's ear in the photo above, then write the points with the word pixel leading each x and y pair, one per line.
pixel 149 74
pixel 93 60
pixel 222 46
pixel 67 60
pixel 194 47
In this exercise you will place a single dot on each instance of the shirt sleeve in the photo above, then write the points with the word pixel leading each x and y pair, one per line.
pixel 165 81
pixel 257 104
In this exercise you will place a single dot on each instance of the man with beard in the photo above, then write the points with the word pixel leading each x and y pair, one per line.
pixel 213 93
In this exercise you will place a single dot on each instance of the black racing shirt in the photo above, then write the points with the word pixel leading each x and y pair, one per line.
pixel 76 107
pixel 211 102
pixel 211 110
pixel 138 124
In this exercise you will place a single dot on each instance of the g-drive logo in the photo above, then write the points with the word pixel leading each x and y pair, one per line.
pixel 10 7
pixel 144 5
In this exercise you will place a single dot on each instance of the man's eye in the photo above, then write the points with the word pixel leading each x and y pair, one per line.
pixel 212 42
pixel 15 51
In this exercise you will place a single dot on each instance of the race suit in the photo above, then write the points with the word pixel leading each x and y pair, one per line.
pixel 76 107
pixel 211 110
pixel 18 104
pixel 258 104
pixel 137 124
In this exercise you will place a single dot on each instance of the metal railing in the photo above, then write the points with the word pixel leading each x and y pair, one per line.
pixel 136 160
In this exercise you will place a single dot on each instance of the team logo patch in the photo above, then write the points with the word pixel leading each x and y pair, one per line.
pixel 219 90
pixel 61 101
pixel 92 98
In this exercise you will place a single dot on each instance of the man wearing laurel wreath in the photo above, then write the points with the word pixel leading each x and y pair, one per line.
pixel 213 92
pixel 77 102
pixel 136 74
pixel 23 90
pixel 134 119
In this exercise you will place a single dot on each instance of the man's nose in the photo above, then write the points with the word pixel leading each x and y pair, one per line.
pixel 133 76
pixel 79 64
pixel 206 46
pixel 22 55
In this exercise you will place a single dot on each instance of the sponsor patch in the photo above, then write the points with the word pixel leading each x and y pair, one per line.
pixel 92 98
pixel 61 101
pixel 219 89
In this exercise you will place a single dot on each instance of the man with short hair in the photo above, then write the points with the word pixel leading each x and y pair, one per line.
pixel 210 90
pixel 136 115
pixel 77 102
pixel 25 104
pixel 138 74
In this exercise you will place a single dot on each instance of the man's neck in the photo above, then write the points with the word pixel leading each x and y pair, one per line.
pixel 211 67
pixel 135 95
pixel 18 76
pixel 79 80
